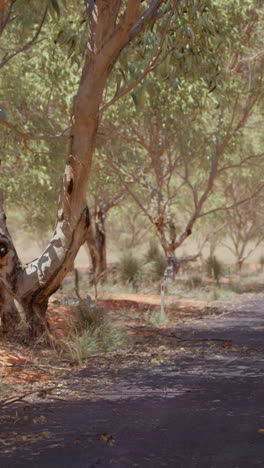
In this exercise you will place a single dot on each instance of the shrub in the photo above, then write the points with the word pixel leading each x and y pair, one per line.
pixel 129 268
pixel 93 332
pixel 215 295
pixel 156 260
pixel 153 252
pixel 5 387
pixel 195 281
pixel 158 320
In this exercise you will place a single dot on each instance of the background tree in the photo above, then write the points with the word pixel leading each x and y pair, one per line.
pixel 244 222
pixel 105 193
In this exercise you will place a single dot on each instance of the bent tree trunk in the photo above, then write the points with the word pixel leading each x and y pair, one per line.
pixel 25 289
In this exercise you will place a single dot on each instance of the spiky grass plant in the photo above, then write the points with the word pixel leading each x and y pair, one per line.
pixel 93 332
pixel 157 319
pixel 194 282
pixel 156 260
pixel 5 387
pixel 129 269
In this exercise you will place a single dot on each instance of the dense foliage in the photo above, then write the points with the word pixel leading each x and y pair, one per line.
pixel 188 80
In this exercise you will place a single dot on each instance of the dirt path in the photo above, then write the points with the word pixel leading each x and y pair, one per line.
pixel 154 299
pixel 202 408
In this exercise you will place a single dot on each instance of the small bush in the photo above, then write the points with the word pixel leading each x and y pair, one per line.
pixel 195 281
pixel 157 320
pixel 5 387
pixel 130 269
pixel 156 259
pixel 153 252
pixel 214 268
pixel 93 332
pixel 215 295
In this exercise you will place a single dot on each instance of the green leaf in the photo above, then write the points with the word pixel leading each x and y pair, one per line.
pixel 53 5
pixel 212 86
pixel 68 36
pixel 18 3
pixel 208 26
pixel 118 83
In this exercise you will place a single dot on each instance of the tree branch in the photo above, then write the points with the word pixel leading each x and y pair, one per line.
pixel 150 14
pixel 150 67
pixel 28 44
pixel 240 202
pixel 4 21
pixel 25 137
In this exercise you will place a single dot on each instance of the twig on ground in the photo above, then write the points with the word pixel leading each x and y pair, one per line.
pixel 11 400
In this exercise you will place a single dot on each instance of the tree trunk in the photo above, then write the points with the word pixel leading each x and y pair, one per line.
pixel 239 264
pixel 96 243
pixel 173 265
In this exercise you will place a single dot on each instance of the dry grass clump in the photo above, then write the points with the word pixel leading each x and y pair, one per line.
pixel 93 332
pixel 129 269
pixel 214 268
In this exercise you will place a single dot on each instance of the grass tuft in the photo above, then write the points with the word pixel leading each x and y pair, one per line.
pixel 214 268
pixel 158 320
pixel 194 282
pixel 5 388
pixel 93 332
pixel 156 260
pixel 130 269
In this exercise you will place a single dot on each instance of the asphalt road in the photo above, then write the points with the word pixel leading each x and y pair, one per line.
pixel 202 412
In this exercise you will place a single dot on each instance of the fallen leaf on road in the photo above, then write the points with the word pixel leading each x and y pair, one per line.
pixel 39 420
pixel 107 439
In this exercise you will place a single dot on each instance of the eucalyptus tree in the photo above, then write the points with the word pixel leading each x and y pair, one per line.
pixel 107 29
